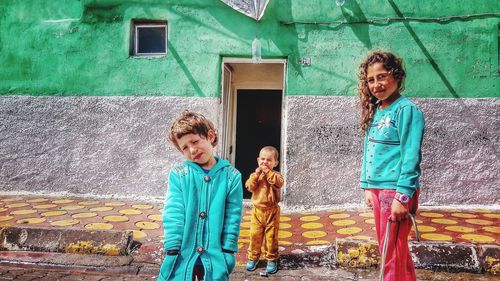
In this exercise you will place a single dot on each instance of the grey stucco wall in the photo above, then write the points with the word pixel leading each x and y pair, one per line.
pixel 109 146
pixel 460 151
pixel 116 146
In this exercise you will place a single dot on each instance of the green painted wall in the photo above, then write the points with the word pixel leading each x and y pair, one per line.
pixel 81 47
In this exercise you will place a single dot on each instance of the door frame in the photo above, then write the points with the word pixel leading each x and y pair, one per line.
pixel 228 117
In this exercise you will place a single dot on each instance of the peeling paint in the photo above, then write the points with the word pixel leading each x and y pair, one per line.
pixel 90 247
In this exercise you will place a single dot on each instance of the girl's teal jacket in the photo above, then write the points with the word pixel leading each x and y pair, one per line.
pixel 201 217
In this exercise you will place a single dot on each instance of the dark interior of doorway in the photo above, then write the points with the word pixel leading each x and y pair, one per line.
pixel 258 123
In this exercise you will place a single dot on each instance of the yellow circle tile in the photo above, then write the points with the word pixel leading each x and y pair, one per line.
pixel 130 212
pixel 339 216
pixel 72 207
pixel 3 209
pixel 245 233
pixel 114 204
pixel 285 219
pixel 366 215
pixel 317 242
pixel 147 225
pixel 492 216
pixel 425 228
pixel 99 225
pixel 137 234
pixel 88 203
pixel 5 218
pixel 479 222
pixel 30 220
pixel 309 218
pixel 63 201
pixel 284 234
pixel 370 221
pixel 247 218
pixel 115 218
pixel 245 224
pixel 444 221
pixel 436 237
pixel 22 212
pixel 142 207
pixel 419 221
pixel 464 215
pixel 478 238
pixel 37 200
pixel 312 225
pixel 155 217
pixel 17 205
pixel 360 237
pixel 314 234
pixel 101 209
pixel 53 213
pixel 283 242
pixel 482 211
pixel 349 230
pixel 457 228
pixel 65 222
pixel 343 222
pixel 284 225
pixel 84 215
pixel 12 199
pixel 248 212
pixel 431 215
pixel 243 240
pixel 45 206
pixel 494 229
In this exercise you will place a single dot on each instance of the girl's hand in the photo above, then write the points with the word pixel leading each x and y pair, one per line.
pixel 368 198
pixel 399 211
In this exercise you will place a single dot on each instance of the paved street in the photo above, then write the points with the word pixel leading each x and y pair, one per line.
pixel 316 274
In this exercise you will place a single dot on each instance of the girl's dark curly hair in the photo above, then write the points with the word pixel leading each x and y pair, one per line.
pixel 391 63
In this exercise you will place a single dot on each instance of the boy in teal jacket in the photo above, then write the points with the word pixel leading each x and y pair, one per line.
pixel 202 212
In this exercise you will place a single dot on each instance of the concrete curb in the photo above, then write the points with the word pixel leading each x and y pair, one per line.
pixel 457 257
pixel 77 241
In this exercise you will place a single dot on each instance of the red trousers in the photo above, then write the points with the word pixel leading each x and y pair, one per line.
pixel 398 263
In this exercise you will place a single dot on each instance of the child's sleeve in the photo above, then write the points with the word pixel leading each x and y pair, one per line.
pixel 252 182
pixel 411 131
pixel 173 214
pixel 362 181
pixel 232 216
pixel 275 178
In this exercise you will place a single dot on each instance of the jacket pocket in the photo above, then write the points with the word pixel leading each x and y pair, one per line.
pixel 230 260
pixel 167 267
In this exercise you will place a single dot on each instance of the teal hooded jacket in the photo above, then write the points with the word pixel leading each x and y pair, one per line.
pixel 201 217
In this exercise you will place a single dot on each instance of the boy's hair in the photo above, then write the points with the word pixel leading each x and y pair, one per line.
pixel 191 123
pixel 391 63
pixel 273 150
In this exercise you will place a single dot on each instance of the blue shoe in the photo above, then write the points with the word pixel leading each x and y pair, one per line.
pixel 252 265
pixel 272 267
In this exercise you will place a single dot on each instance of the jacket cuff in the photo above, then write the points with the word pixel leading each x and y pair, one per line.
pixel 405 190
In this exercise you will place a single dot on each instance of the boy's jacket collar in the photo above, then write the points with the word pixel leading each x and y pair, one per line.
pixel 221 163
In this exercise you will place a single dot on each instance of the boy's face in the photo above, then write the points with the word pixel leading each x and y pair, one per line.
pixel 267 160
pixel 198 149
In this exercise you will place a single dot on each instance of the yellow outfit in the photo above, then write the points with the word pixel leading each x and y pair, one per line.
pixel 264 225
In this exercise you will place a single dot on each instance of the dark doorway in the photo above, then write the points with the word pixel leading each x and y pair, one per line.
pixel 258 123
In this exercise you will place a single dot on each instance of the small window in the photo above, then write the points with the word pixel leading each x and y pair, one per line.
pixel 150 38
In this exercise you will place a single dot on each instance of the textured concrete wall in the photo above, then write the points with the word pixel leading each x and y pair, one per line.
pixel 460 151
pixel 116 146
pixel 90 145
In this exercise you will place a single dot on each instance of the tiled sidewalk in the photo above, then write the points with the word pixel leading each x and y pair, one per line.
pixel 297 230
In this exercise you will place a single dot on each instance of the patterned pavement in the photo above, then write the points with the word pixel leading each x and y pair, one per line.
pixel 297 230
